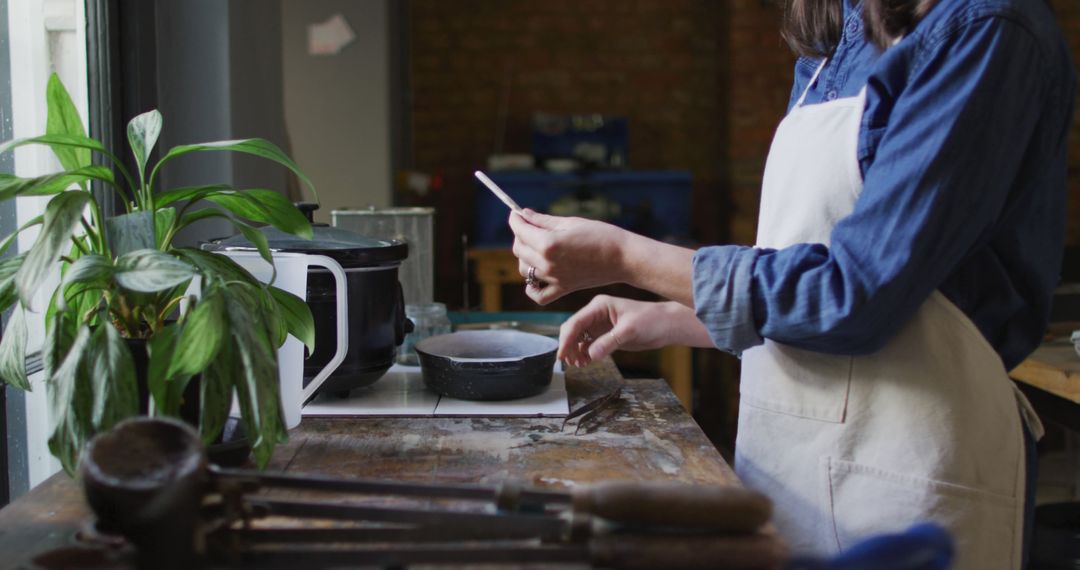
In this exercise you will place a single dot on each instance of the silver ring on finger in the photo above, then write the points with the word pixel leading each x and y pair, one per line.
pixel 532 281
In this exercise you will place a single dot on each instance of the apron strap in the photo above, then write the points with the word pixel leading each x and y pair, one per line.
pixel 1028 415
pixel 813 80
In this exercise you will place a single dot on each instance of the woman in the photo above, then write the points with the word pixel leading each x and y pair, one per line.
pixel 911 227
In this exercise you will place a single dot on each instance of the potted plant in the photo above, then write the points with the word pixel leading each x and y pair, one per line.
pixel 123 280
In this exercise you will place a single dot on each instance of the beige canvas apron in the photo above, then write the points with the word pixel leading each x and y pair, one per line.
pixel 925 429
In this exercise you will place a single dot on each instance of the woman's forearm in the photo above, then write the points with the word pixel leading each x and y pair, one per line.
pixel 662 268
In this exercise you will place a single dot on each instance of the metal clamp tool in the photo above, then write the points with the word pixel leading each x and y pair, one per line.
pixel 179 512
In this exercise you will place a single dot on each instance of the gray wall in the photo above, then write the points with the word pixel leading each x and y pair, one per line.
pixel 241 69
pixel 337 107
pixel 258 108
pixel 219 77
pixel 193 96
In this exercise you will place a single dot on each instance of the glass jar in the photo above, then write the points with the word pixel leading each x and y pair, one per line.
pixel 429 319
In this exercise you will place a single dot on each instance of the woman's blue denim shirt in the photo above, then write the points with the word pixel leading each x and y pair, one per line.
pixel 963 155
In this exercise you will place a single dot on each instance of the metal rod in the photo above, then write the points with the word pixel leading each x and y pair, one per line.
pixel 373 487
pixel 413 554
pixel 361 535
pixel 492 525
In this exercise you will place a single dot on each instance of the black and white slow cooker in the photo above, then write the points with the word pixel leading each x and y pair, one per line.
pixel 377 323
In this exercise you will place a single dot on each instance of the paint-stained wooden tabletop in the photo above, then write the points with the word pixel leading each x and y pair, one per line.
pixel 646 435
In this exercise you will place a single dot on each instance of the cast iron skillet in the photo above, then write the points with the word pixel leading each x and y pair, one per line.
pixel 487 365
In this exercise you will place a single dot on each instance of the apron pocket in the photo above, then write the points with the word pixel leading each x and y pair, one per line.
pixel 787 380
pixel 864 501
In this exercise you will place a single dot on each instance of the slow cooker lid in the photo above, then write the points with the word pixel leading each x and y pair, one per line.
pixel 350 249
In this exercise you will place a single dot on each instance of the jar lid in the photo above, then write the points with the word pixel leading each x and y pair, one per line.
pixel 350 249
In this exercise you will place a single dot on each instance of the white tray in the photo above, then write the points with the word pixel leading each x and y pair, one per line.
pixel 401 392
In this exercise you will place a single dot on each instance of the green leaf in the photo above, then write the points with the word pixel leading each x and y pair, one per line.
pixel 56 298
pixel 60 331
pixel 61 141
pixel 187 193
pixel 86 306
pixel 142 132
pixel 252 234
pixel 35 221
pixel 265 206
pixel 297 316
pixel 89 268
pixel 215 267
pixel 63 447
pixel 70 362
pixel 151 270
pixel 8 268
pixel 72 403
pixel 271 315
pixel 91 271
pixel 111 370
pixel 201 338
pixel 130 232
pixel 260 205
pixel 256 375
pixel 63 119
pixel 12 186
pixel 62 215
pixel 258 147
pixel 81 302
pixel 163 220
pixel 259 239
pixel 161 348
pixel 215 397
pixel 192 217
pixel 13 351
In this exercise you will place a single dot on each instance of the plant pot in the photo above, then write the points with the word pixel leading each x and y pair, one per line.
pixel 231 448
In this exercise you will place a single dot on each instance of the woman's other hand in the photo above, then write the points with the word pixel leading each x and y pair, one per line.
pixel 568 254
pixel 608 324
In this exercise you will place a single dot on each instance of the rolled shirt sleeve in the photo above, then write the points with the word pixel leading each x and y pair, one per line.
pixel 722 300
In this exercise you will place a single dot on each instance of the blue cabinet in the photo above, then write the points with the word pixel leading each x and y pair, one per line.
pixel 651 203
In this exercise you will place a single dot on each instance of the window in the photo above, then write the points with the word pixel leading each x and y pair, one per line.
pixel 38 38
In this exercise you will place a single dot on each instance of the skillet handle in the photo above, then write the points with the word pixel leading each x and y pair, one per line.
pixel 674 505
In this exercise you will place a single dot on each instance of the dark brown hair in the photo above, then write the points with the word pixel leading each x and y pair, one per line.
pixel 813 27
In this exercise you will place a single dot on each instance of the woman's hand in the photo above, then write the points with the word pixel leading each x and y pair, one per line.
pixel 608 324
pixel 567 254
pixel 564 255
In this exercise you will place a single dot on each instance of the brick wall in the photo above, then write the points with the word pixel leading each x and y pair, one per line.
pixel 1068 14
pixel 703 84
pixel 658 62
pixel 758 87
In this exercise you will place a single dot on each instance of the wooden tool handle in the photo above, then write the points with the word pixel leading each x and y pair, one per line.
pixel 733 552
pixel 675 505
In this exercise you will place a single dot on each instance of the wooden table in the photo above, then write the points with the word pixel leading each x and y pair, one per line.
pixel 496 267
pixel 648 437
pixel 1051 379
pixel 1054 367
